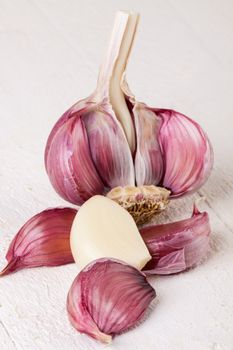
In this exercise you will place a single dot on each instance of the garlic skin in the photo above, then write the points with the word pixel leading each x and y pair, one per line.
pixel 108 297
pixel 177 246
pixel 44 240
pixel 102 228
pixel 110 140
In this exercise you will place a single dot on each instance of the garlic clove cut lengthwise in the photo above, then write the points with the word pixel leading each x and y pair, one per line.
pixel 102 228
pixel 44 240
pixel 110 141
pixel 108 297
pixel 177 246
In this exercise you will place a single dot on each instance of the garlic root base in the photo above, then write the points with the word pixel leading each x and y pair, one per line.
pixel 142 202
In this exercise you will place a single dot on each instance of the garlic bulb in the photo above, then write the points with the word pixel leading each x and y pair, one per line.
pixel 108 297
pixel 109 141
pixel 44 240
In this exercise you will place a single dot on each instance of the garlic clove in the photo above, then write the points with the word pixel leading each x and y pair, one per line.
pixel 187 153
pixel 69 162
pixel 44 240
pixel 109 148
pixel 108 297
pixel 177 246
pixel 102 228
pixel 149 165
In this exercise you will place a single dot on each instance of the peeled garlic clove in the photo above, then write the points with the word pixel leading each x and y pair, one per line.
pixel 108 297
pixel 44 240
pixel 177 246
pixel 102 228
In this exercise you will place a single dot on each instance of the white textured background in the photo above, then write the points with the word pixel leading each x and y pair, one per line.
pixel 50 52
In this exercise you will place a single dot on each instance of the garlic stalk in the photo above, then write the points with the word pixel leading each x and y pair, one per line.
pixel 113 68
pixel 108 297
pixel 110 142
pixel 44 240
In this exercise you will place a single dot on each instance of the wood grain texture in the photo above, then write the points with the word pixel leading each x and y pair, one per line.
pixel 50 52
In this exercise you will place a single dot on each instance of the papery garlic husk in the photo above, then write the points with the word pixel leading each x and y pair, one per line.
pixel 107 298
pixel 44 240
pixel 177 246
pixel 110 141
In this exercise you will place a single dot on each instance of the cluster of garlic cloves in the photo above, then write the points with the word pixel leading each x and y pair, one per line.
pixel 110 140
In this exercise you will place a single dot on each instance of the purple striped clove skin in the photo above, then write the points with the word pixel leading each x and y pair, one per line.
pixel 177 246
pixel 107 298
pixel 44 240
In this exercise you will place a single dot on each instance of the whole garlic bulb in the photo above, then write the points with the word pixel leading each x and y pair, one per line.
pixel 111 144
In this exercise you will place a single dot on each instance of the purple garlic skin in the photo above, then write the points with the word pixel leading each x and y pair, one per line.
pixel 108 297
pixel 44 240
pixel 177 246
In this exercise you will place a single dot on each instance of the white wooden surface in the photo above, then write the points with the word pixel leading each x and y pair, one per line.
pixel 50 52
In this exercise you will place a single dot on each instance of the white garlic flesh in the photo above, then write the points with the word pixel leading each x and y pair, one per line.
pixel 102 229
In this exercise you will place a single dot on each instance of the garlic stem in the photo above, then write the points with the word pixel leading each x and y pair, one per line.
pixel 114 66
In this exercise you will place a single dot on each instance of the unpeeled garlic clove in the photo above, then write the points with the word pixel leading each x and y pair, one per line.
pixel 109 148
pixel 108 297
pixel 177 246
pixel 44 240
pixel 187 153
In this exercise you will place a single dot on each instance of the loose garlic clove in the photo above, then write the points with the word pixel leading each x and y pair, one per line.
pixel 108 297
pixel 102 228
pixel 177 246
pixel 44 240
